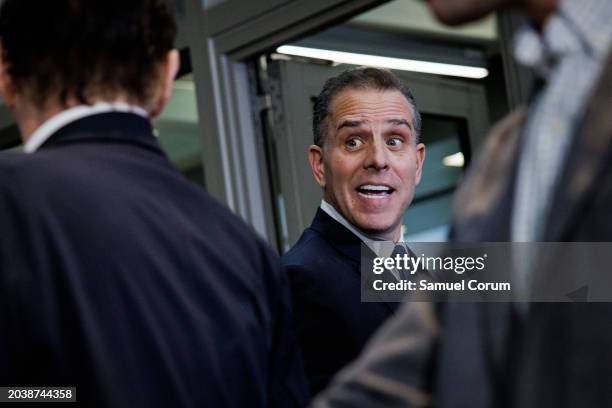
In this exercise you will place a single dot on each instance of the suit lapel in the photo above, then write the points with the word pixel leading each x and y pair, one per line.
pixel 345 242
pixel 339 237
pixel 589 153
pixel 481 210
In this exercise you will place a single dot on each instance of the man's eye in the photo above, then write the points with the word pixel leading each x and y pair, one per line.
pixel 353 143
pixel 395 141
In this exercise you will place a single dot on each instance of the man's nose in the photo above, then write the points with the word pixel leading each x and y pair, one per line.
pixel 377 156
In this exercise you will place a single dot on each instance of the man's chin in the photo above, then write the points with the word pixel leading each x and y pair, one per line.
pixel 379 230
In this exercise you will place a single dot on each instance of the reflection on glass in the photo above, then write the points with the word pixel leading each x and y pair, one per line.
pixel 177 131
pixel 447 153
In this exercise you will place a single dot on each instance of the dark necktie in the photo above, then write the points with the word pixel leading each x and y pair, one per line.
pixel 401 251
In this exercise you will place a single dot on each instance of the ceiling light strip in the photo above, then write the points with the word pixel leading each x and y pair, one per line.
pixel 426 67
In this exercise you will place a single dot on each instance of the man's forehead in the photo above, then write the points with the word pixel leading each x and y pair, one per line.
pixel 367 105
pixel 357 123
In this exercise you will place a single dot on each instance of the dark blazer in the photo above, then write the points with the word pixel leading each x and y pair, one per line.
pixel 558 355
pixel 123 279
pixel 332 323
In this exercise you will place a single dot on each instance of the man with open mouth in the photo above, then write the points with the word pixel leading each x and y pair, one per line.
pixel 367 159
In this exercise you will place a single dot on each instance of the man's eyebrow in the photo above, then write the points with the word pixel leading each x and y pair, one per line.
pixel 350 124
pixel 357 123
pixel 400 122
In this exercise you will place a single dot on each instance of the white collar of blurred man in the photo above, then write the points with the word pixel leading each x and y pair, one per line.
pixel 370 163
pixel 58 121
pixel 42 122
pixel 577 26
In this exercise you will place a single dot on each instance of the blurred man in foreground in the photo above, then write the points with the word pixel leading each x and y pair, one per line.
pixel 543 175
pixel 117 276
pixel 367 159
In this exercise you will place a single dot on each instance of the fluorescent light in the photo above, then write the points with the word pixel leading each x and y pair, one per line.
pixel 386 62
pixel 454 160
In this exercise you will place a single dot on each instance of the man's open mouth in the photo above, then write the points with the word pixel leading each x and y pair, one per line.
pixel 374 190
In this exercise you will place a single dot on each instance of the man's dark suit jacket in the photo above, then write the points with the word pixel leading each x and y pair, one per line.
pixel 332 323
pixel 123 279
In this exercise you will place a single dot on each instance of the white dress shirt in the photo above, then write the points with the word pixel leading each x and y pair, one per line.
pixel 380 247
pixel 569 54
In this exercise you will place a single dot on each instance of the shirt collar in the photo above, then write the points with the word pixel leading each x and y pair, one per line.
pixel 56 122
pixel 332 212
pixel 591 19
pixel 376 245
pixel 578 27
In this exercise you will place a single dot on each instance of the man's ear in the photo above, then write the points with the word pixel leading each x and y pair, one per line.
pixel 169 70
pixel 420 159
pixel 7 88
pixel 315 157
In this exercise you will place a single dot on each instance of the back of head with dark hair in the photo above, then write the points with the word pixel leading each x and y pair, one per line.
pixel 358 78
pixel 83 49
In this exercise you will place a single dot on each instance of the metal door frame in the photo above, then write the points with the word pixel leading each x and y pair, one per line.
pixel 221 37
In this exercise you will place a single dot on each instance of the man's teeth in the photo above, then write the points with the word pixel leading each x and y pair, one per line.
pixel 373 189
